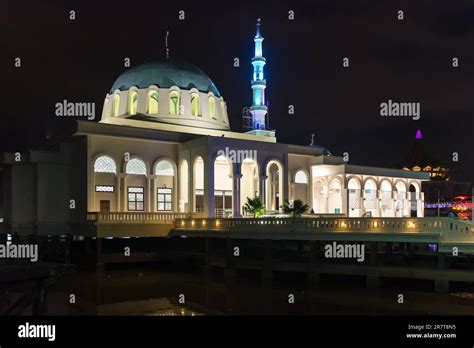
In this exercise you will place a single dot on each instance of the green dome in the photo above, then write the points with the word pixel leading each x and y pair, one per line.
pixel 165 74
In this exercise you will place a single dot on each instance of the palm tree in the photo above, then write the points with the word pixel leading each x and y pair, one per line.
pixel 254 206
pixel 296 209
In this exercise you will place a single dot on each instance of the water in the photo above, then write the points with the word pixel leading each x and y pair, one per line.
pixel 153 290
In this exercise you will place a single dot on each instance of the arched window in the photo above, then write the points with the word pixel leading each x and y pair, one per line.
pixel 135 166
pixel 153 102
pixel 301 177
pixel 225 117
pixel 105 164
pixel 115 105
pixel 132 103
pixel 212 108
pixel 174 103
pixel 195 105
pixel 164 168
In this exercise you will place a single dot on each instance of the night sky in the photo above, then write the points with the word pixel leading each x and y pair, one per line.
pixel 405 61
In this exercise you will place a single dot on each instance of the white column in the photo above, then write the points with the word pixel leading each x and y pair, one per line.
pixel 209 187
pixel 421 205
pixel 118 186
pixel 285 183
pixel 191 196
pixel 362 202
pixel 152 193
pixel 122 192
pixel 236 177
pixel 262 188
pixel 378 199
pixel 174 192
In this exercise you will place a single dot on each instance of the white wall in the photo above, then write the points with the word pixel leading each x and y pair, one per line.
pixel 116 147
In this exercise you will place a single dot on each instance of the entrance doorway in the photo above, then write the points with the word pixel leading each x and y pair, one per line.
pixel 413 201
pixel 105 206
pixel 223 203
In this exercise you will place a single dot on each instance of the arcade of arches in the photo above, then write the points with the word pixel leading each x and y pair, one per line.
pixel 164 186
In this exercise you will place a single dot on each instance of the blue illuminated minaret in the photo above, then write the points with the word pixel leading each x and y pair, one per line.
pixel 259 108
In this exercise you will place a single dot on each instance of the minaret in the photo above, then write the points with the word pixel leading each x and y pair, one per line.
pixel 258 109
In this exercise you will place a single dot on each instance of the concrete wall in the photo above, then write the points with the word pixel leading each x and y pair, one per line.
pixel 20 196
pixel 53 198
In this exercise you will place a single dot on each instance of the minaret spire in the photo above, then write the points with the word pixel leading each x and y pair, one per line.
pixel 259 108
pixel 258 27
pixel 167 50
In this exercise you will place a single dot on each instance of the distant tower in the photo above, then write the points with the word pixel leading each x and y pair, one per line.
pixel 259 108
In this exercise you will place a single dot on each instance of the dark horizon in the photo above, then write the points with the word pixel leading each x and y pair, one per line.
pixel 406 61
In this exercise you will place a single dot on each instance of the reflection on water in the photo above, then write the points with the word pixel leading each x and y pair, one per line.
pixel 174 312
pixel 150 307
pixel 149 291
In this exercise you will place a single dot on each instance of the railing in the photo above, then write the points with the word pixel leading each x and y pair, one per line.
pixel 134 217
pixel 451 229
pixel 222 213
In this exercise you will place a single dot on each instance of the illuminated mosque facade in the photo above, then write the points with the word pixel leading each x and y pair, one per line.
pixel 164 146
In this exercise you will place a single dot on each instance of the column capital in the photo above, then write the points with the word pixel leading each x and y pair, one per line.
pixel 263 177
pixel 237 176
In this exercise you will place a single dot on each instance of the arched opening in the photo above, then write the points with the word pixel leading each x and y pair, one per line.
pixel 249 183
pixel 135 166
pixel 115 105
pixel 136 181
pixel 105 196
pixel 105 164
pixel 153 103
pixel 413 200
pixel 222 187
pixel 212 108
pixel 400 199
pixel 198 184
pixel 301 186
pixel 195 104
pixel 132 105
pixel 370 198
pixel 225 116
pixel 164 183
pixel 335 197
pixel 274 189
pixel 354 188
pixel 184 187
pixel 386 201
pixel 174 103
pixel 319 192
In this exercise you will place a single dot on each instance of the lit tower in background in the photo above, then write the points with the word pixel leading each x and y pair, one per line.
pixel 259 108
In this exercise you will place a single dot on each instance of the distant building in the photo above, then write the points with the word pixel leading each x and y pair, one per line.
pixel 442 188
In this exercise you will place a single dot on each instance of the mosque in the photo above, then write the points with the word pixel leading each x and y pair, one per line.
pixel 164 146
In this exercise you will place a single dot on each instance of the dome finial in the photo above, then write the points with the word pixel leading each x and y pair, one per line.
pixel 259 20
pixel 312 139
pixel 167 50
